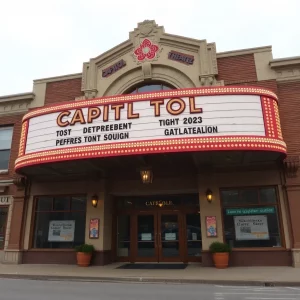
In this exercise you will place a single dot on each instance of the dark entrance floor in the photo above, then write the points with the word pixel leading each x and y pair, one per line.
pixel 142 266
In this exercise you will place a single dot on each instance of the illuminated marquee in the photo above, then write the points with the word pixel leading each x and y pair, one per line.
pixel 200 119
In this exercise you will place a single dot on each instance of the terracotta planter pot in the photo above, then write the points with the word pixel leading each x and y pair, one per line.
pixel 83 259
pixel 221 260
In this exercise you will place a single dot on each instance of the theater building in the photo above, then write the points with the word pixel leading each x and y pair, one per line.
pixel 159 147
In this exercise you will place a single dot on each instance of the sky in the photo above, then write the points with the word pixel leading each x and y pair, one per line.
pixel 40 39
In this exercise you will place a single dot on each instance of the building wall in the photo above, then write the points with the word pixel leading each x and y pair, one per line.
pixel 237 69
pixel 88 188
pixel 217 181
pixel 242 67
pixel 63 90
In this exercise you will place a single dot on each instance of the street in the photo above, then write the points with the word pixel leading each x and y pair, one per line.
pixel 19 289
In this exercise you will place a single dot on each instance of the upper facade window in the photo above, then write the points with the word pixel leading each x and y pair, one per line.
pixel 149 88
pixel 5 146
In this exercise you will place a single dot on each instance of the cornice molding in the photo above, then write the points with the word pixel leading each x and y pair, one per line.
pixel 285 62
pixel 17 97
pixel 58 78
pixel 244 51
pixel 14 104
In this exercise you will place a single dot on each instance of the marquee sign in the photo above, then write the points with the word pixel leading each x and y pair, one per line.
pixel 198 119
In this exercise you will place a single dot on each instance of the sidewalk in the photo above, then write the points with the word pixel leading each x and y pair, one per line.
pixel 194 273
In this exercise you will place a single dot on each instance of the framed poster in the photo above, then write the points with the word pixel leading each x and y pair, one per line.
pixel 251 228
pixel 61 231
pixel 211 226
pixel 94 228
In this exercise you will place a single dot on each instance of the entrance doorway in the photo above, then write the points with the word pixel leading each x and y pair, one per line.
pixel 159 237
pixel 151 230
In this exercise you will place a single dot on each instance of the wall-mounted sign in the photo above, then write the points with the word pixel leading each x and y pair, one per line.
pixel 114 68
pixel 250 211
pixel 211 226
pixel 5 200
pixel 61 231
pixel 198 119
pixel 94 228
pixel 159 203
pixel 181 57
pixel 185 117
pixel 251 228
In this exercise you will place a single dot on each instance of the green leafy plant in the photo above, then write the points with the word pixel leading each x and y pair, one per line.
pixel 218 247
pixel 85 248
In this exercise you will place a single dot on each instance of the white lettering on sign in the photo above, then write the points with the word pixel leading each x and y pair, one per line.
pixel 251 228
pixel 5 200
pixel 61 231
pixel 160 119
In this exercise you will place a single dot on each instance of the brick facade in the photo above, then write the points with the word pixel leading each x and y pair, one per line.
pixel 289 107
pixel 237 69
pixel 63 91
pixel 243 67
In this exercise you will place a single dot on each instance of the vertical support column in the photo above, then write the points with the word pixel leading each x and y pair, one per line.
pixel 13 252
pixel 293 195
pixel 102 245
pixel 291 165
pixel 207 181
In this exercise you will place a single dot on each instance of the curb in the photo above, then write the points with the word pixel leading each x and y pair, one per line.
pixel 153 280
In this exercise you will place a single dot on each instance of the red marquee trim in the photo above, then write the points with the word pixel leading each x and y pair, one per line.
pixel 271 142
pixel 159 146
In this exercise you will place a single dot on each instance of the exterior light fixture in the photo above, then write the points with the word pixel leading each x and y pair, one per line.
pixel 160 204
pixel 95 200
pixel 146 175
pixel 209 195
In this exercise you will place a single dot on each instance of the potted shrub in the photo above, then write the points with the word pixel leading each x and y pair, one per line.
pixel 84 254
pixel 220 252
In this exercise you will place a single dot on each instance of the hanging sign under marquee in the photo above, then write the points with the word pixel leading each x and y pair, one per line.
pixel 251 228
pixel 199 119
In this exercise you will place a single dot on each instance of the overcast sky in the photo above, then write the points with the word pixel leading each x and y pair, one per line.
pixel 41 38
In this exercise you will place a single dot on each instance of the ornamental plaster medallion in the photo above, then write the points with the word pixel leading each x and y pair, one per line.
pixel 146 51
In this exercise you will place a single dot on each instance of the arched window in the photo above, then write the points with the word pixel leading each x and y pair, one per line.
pixel 151 87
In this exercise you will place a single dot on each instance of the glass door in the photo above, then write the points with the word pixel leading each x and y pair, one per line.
pixel 146 230
pixel 170 236
pixel 158 237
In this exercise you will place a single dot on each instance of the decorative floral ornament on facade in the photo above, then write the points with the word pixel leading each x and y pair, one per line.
pixel 146 50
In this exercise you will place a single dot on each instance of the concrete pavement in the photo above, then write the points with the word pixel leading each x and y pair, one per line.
pixel 14 289
pixel 194 273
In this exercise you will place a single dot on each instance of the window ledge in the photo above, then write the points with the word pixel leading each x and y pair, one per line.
pixel 3 172
pixel 260 249
pixel 50 249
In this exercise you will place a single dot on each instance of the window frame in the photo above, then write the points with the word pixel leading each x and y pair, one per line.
pixel 5 226
pixel 278 208
pixel 33 219
pixel 134 89
pixel 9 157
